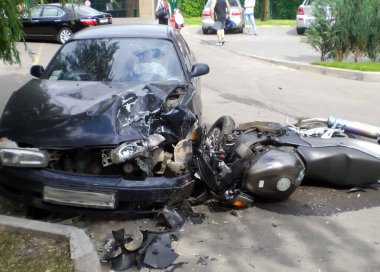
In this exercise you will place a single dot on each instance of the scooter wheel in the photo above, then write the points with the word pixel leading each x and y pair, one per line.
pixel 224 125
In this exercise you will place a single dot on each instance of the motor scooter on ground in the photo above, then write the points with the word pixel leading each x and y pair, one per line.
pixel 268 160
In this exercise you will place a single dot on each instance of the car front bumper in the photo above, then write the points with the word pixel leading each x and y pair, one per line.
pixel 131 197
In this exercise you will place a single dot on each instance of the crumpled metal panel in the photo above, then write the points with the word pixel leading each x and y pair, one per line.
pixel 63 114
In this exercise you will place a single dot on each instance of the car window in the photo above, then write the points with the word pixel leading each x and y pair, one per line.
pixel 185 50
pixel 85 11
pixel 118 60
pixel 51 12
pixel 35 12
pixel 308 2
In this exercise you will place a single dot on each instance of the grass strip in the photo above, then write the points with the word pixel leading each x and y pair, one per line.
pixel 32 253
pixel 359 66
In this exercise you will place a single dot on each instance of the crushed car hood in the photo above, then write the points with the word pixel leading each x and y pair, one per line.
pixel 64 114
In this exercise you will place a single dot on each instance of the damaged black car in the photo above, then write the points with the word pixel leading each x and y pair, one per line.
pixel 106 126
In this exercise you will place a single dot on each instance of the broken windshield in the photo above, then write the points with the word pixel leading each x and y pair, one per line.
pixel 135 60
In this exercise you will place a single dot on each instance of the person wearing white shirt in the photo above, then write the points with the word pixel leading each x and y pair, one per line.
pixel 249 6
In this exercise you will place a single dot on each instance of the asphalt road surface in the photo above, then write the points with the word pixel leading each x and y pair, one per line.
pixel 318 228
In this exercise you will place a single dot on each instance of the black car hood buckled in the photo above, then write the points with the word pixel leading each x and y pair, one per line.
pixel 61 114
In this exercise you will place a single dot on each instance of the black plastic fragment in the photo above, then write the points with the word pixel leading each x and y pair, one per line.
pixel 111 246
pixel 174 218
pixel 158 255
pixel 172 267
pixel 126 259
pixel 155 250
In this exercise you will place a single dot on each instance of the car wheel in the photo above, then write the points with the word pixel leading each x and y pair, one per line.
pixel 64 35
pixel 300 30
pixel 205 30
pixel 241 30
pixel 224 125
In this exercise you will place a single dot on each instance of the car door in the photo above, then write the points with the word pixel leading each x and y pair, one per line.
pixel 190 60
pixel 31 22
pixel 50 21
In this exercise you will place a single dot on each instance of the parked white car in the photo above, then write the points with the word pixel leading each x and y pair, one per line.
pixel 304 16
pixel 236 17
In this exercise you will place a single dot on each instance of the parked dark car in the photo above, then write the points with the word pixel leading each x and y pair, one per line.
pixel 107 125
pixel 58 22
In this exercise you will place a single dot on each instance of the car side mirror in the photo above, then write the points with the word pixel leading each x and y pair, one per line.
pixel 199 69
pixel 37 70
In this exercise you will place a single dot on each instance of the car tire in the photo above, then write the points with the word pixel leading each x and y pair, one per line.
pixel 241 30
pixel 224 125
pixel 205 30
pixel 300 30
pixel 64 35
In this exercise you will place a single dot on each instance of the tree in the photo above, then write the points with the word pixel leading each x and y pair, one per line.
pixel 372 48
pixel 11 27
pixel 342 27
pixel 265 10
pixel 322 32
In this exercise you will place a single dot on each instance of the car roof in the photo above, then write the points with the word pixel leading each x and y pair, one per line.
pixel 125 31
pixel 59 4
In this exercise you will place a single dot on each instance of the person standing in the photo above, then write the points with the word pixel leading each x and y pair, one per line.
pixel 249 12
pixel 177 20
pixel 219 11
pixel 160 4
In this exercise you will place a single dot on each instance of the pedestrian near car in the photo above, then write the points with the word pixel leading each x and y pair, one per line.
pixel 164 4
pixel 249 14
pixel 219 12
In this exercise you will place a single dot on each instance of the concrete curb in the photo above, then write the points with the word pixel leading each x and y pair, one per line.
pixel 82 250
pixel 335 72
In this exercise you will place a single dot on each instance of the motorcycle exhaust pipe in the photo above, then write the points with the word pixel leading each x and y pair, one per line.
pixel 354 127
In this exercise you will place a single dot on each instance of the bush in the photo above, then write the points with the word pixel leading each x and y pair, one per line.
pixel 279 9
pixel 191 8
pixel 342 27
pixel 321 35
pixel 372 48
pixel 284 9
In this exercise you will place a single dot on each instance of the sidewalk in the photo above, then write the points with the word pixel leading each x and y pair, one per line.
pixel 274 44
pixel 280 46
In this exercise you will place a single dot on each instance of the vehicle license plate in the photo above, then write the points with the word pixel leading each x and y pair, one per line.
pixel 103 21
pixel 103 200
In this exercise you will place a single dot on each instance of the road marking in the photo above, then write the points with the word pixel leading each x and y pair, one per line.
pixel 36 57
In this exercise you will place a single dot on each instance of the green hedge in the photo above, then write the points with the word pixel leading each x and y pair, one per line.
pixel 191 8
pixel 279 9
pixel 285 9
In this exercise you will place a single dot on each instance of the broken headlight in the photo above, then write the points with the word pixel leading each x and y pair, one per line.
pixel 129 150
pixel 23 157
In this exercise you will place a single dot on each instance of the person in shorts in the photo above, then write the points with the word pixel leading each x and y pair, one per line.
pixel 219 12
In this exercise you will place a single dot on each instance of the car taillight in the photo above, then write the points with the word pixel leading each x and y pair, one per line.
pixel 300 11
pixel 89 21
pixel 206 12
pixel 236 13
